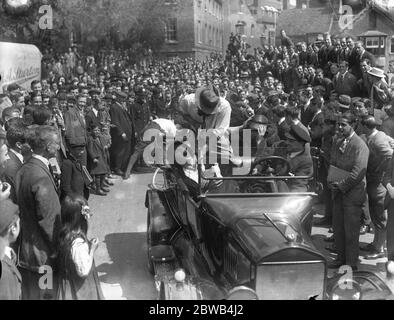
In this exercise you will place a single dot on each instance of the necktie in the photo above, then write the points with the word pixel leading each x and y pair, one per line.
pixel 54 177
pixel 343 146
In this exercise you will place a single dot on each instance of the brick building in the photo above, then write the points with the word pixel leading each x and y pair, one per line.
pixel 194 29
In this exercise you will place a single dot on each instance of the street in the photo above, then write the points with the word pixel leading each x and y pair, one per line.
pixel 119 222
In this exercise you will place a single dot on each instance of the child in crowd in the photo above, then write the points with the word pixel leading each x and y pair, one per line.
pixel 77 270
pixel 97 161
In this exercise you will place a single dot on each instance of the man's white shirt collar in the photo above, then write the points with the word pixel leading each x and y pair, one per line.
pixel 20 157
pixel 42 159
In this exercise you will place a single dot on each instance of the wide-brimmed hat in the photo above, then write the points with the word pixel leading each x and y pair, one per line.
pixel 207 99
pixel 376 72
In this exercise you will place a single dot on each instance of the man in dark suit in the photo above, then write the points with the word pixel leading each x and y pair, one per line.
pixel 380 153
pixel 326 83
pixel 350 154
pixel 122 134
pixel 92 117
pixel 352 53
pixel 279 113
pixel 75 129
pixel 299 157
pixel 40 216
pixel 16 139
pixel 361 55
pixel 317 123
pixel 345 82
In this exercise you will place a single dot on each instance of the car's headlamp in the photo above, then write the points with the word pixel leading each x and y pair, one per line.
pixel 242 293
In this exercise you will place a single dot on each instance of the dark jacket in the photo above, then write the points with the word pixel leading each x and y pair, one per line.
pixel 96 151
pixel 121 122
pixel 92 120
pixel 72 181
pixel 346 84
pixel 10 280
pixel 301 165
pixel 316 126
pixel 75 128
pixel 39 213
pixel 12 166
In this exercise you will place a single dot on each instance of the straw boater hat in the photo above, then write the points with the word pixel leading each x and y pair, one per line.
pixel 207 100
pixel 376 72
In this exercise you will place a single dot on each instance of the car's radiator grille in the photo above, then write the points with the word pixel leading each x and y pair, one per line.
pixel 294 281
pixel 230 262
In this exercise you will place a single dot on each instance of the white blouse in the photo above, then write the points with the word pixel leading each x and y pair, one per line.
pixel 81 257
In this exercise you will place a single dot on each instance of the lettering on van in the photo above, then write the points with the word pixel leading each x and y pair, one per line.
pixel 14 74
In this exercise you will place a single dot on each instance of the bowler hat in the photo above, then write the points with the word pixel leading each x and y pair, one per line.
pixel 9 214
pixel 207 99
pixel 259 119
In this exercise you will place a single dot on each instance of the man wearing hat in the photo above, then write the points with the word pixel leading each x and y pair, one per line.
pixel 216 114
pixel 122 134
pixel 380 91
pixel 75 129
pixel 344 102
pixel 92 116
pixel 349 160
pixel 10 278
pixel 299 157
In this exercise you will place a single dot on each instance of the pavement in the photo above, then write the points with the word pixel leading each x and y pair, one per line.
pixel 119 222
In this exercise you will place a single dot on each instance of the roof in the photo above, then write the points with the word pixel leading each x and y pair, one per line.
pixel 374 33
pixel 302 21
pixel 385 10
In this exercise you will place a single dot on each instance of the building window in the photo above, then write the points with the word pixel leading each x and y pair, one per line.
pixel 392 45
pixel 373 42
pixel 171 30
pixel 199 31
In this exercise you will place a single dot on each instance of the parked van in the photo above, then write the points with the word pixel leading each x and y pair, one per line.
pixel 20 64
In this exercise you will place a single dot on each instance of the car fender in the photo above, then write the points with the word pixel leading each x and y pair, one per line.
pixel 161 224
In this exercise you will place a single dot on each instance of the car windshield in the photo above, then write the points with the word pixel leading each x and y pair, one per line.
pixel 260 233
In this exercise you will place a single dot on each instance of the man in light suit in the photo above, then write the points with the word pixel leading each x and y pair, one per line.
pixel 40 215
pixel 380 153
pixel 349 153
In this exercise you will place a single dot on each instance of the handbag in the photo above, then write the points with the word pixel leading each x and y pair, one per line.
pixel 86 176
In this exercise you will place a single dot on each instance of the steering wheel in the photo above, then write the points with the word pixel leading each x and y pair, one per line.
pixel 273 165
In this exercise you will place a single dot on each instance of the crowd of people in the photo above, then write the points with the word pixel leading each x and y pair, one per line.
pixel 85 120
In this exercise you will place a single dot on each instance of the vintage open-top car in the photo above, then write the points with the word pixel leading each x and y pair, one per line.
pixel 235 238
